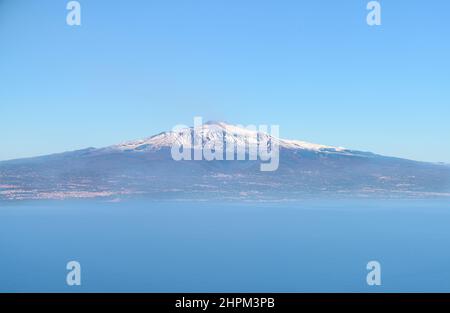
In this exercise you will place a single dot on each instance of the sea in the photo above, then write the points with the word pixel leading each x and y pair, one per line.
pixel 143 245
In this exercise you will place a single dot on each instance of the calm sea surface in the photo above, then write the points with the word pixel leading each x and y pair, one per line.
pixel 147 246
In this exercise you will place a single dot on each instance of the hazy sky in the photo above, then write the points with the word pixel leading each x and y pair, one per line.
pixel 135 68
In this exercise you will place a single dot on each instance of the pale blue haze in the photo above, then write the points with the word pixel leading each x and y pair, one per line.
pixel 136 68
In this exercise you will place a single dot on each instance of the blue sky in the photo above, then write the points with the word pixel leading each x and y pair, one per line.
pixel 135 68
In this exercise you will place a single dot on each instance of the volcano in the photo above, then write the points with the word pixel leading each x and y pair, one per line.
pixel 147 168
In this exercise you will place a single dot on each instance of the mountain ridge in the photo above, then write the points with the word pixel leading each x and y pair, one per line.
pixel 168 138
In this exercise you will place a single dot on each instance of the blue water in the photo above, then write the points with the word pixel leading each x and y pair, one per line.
pixel 145 246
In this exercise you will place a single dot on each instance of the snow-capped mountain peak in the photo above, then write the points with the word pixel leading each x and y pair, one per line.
pixel 217 133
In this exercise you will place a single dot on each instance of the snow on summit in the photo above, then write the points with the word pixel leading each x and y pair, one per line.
pixel 213 132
